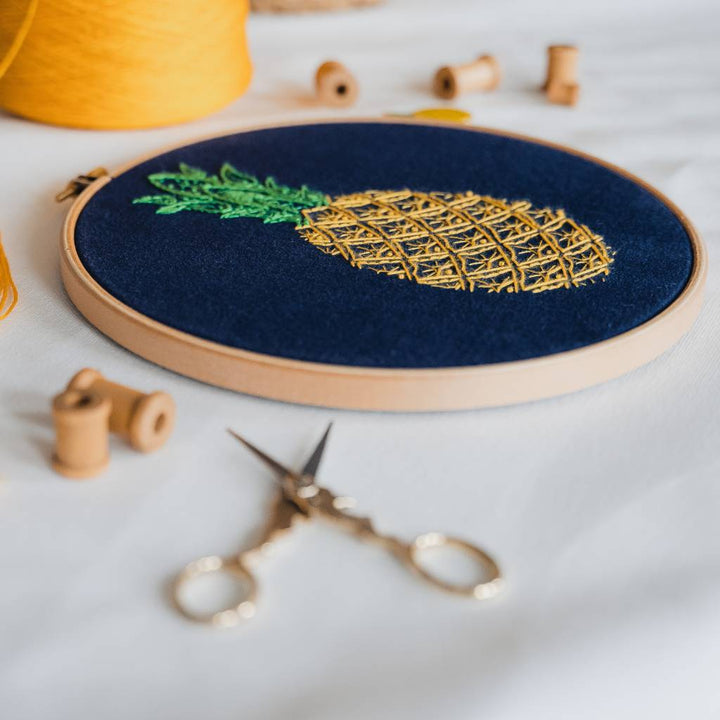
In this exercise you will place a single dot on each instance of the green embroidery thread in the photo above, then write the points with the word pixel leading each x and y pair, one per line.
pixel 230 194
pixel 459 241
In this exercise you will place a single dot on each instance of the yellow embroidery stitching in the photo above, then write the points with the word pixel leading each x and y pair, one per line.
pixel 458 241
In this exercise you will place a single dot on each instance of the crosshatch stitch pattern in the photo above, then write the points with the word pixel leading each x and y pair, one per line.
pixel 457 241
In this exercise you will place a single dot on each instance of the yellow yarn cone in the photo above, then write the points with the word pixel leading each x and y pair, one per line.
pixel 130 64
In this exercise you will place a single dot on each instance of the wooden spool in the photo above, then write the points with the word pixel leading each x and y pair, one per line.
pixel 82 433
pixel 335 84
pixel 563 94
pixel 481 75
pixel 561 84
pixel 144 420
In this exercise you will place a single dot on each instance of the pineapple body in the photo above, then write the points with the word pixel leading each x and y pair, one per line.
pixel 458 241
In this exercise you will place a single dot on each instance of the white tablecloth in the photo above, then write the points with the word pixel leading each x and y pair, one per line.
pixel 602 506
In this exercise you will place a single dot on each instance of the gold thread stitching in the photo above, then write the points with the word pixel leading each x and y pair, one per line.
pixel 458 241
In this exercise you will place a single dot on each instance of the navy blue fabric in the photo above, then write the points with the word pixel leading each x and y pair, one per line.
pixel 264 288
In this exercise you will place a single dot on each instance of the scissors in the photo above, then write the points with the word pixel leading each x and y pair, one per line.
pixel 299 497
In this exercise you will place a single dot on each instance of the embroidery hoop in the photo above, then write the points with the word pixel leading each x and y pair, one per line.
pixel 361 388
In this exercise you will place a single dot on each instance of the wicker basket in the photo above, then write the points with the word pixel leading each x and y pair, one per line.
pixel 306 5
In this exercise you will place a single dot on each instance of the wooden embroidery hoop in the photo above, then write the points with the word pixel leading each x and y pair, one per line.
pixel 361 388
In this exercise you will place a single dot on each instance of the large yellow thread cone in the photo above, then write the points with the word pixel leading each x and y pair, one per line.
pixel 131 64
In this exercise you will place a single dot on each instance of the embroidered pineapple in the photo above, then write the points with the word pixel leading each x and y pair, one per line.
pixel 459 241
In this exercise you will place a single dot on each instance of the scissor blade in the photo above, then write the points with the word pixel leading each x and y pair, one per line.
pixel 281 470
pixel 313 463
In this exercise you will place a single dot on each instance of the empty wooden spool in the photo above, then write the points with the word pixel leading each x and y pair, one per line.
pixel 561 85
pixel 82 433
pixel 481 75
pixel 145 420
pixel 335 84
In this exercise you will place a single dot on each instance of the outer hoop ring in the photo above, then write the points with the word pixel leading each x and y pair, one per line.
pixel 362 388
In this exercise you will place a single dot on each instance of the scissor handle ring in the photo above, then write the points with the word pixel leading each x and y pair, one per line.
pixel 226 617
pixel 488 588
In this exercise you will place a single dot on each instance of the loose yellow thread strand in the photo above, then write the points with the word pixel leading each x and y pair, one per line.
pixel 8 289
pixel 14 26
pixel 129 64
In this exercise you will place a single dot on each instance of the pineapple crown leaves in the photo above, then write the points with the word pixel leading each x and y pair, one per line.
pixel 231 194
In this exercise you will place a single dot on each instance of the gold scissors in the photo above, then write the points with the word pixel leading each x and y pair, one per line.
pixel 300 497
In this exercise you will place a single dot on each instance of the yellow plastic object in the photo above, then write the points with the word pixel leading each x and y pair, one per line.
pixel 443 115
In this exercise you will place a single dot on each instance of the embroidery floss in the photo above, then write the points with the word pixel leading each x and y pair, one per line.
pixel 114 65
pixel 8 289
pixel 457 241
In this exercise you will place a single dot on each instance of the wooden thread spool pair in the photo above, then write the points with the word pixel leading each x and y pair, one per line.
pixel 483 74
pixel 335 84
pixel 91 408
pixel 561 86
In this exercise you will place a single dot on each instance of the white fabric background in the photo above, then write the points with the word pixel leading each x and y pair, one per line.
pixel 602 506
